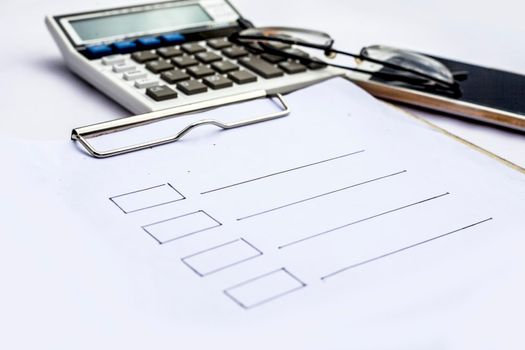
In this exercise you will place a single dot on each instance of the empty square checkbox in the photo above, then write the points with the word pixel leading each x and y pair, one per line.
pixel 181 226
pixel 220 257
pixel 264 288
pixel 147 198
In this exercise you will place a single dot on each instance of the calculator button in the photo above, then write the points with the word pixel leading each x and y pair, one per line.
pixel 224 67
pixel 184 61
pixel 192 48
pixel 148 42
pixel 261 67
pixel 161 93
pixel 174 76
pixel 218 44
pixel 200 71
pixel 158 66
pixel 123 67
pixel 315 65
pixel 208 57
pixel 235 52
pixel 172 38
pixel 297 52
pixel 111 60
pixel 97 51
pixel 134 75
pixel 217 82
pixel 144 56
pixel 146 83
pixel 125 46
pixel 292 67
pixel 169 52
pixel 192 87
pixel 272 58
pixel 242 77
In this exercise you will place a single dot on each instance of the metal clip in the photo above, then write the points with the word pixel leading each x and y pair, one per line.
pixel 83 133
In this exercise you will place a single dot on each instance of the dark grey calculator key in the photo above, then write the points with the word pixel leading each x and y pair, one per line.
pixel 261 67
pixel 291 67
pixel 144 56
pixel 219 44
pixel 169 52
pixel 200 71
pixel 158 66
pixel 235 52
pixel 192 48
pixel 184 61
pixel 296 52
pixel 161 93
pixel 315 65
pixel 224 67
pixel 208 57
pixel 217 82
pixel 192 87
pixel 242 77
pixel 272 58
pixel 174 76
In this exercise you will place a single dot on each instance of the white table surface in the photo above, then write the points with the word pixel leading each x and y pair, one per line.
pixel 41 99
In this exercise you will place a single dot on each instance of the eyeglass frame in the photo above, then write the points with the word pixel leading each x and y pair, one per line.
pixel 330 52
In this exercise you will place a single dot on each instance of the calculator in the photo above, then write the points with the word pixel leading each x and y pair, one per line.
pixel 162 55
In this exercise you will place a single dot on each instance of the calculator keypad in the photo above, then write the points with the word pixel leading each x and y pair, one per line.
pixel 195 67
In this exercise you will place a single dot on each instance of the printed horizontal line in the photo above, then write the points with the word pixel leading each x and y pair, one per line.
pixel 321 195
pixel 281 172
pixel 401 249
pixel 361 220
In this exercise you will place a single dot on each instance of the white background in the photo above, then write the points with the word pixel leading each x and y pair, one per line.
pixel 41 99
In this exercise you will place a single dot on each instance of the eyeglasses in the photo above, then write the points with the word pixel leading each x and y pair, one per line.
pixel 397 65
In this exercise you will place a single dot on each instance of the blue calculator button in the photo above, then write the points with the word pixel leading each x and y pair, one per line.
pixel 173 38
pixel 96 51
pixel 148 42
pixel 125 46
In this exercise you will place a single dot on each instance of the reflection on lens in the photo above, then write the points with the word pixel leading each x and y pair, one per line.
pixel 308 37
pixel 409 60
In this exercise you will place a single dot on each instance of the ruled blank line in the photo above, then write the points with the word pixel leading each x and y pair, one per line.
pixel 321 195
pixel 401 250
pixel 282 172
pixel 361 220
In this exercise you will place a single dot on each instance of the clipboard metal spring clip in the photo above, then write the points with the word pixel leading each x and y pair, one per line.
pixel 82 134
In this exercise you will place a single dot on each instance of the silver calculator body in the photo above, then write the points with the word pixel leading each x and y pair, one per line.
pixel 168 54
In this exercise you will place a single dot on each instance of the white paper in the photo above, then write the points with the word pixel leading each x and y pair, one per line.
pixel 345 225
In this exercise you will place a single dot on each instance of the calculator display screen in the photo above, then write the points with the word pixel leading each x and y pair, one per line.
pixel 140 22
